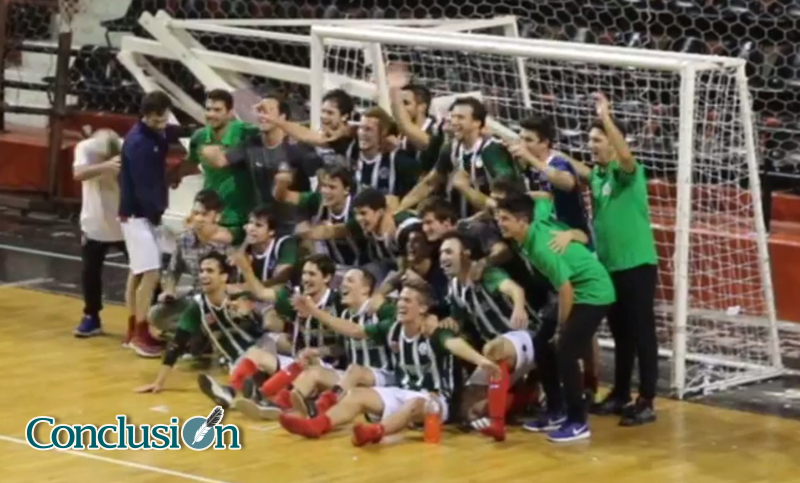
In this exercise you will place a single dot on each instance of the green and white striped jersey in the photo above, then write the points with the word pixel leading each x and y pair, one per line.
pixel 388 246
pixel 368 352
pixel 483 307
pixel 231 336
pixel 420 363
pixel 308 332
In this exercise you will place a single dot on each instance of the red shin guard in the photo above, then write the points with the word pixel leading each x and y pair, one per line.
pixel 281 380
pixel 244 369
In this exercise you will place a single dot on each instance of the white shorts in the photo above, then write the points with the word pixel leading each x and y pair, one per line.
pixel 394 398
pixel 523 346
pixel 383 377
pixel 142 243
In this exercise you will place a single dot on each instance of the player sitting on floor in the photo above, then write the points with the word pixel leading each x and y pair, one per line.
pixel 369 361
pixel 494 310
pixel 424 368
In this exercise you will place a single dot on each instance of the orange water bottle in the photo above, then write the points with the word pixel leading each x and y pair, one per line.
pixel 433 419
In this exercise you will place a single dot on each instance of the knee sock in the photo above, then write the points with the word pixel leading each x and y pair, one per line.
pixel 498 393
pixel 281 380
pixel 244 369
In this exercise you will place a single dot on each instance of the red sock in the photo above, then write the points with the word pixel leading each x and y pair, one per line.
pixel 142 329
pixel 281 380
pixel 310 428
pixel 242 371
pixel 498 394
pixel 367 433
pixel 326 400
pixel 283 399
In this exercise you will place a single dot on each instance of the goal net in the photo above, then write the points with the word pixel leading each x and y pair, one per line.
pixel 688 119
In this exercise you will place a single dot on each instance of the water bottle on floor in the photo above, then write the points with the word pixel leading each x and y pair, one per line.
pixel 433 419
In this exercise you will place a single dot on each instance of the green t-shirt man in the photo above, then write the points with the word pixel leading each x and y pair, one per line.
pixel 622 231
pixel 577 265
pixel 234 186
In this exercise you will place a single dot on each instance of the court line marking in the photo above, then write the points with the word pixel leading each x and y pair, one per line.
pixel 47 253
pixel 25 283
pixel 130 464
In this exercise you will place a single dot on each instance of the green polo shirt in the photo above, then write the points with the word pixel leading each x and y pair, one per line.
pixel 234 185
pixel 577 265
pixel 622 231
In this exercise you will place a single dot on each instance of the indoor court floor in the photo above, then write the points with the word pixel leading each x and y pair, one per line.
pixel 47 372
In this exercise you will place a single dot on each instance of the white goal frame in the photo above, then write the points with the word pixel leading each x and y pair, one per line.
pixel 687 65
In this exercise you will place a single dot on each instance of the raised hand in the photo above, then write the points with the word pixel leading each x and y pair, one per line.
pixel 397 76
pixel 602 104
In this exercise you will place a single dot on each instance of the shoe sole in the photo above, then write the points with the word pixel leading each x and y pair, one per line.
pixel 147 354
pixel 543 429
pixel 207 386
pixel 86 335
pixel 253 410
pixel 578 437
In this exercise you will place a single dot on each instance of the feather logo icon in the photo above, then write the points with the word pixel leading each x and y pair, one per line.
pixel 213 419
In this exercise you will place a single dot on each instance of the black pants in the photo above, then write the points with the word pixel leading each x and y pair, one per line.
pixel 93 255
pixel 633 325
pixel 546 362
pixel 574 343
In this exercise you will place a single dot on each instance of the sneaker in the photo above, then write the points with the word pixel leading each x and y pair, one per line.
pixel 143 349
pixel 251 391
pixel 611 404
pixel 261 410
pixel 90 326
pixel 545 423
pixel 222 395
pixel 570 432
pixel 639 413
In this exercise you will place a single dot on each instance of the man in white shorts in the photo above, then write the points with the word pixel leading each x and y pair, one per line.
pixel 496 309
pixel 369 362
pixel 143 200
pixel 424 369
pixel 96 166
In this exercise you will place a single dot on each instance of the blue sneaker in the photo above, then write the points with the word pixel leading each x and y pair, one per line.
pixel 546 422
pixel 90 326
pixel 570 432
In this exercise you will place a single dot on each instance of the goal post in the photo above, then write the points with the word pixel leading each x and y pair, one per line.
pixel 690 123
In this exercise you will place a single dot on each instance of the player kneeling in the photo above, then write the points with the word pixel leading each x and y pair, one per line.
pixel 424 369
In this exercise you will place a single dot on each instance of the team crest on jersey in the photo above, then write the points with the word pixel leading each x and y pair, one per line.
pixel 383 173
pixel 607 189
pixel 423 349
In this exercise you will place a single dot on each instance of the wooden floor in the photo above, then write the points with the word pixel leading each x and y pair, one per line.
pixel 48 372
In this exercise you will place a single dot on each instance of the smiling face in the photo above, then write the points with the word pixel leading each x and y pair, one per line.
pixel 417 247
pixel 410 306
pixel 462 122
pixel 313 280
pixel 217 114
pixel 451 257
pixel 534 144
pixel 200 217
pixel 331 117
pixel 511 226
pixel 369 219
pixel 433 228
pixel 354 289
pixel 600 146
pixel 369 133
pixel 258 231
pixel 212 277
pixel 268 109
pixel 332 190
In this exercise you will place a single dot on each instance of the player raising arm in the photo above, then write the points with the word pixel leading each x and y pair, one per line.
pixel 424 368
pixel 626 247
pixel 585 293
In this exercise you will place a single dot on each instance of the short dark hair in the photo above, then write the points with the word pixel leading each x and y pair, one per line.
pixel 323 262
pixel 156 102
pixel 542 127
pixel 479 112
pixel 370 198
pixel 222 261
pixel 221 95
pixel 341 172
pixel 422 95
pixel 210 200
pixel 520 206
pixel 369 278
pixel 342 100
pixel 264 213
pixel 423 289
pixel 405 236
pixel 510 185
pixel 283 107
pixel 468 241
pixel 244 294
pixel 598 124
pixel 440 208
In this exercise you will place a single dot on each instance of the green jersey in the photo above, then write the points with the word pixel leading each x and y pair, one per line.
pixel 421 363
pixel 346 251
pixel 368 352
pixel 234 185
pixel 280 251
pixel 231 336
pixel 577 265
pixel 622 230
pixel 484 161
pixel 386 247
pixel 308 332
pixel 482 307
